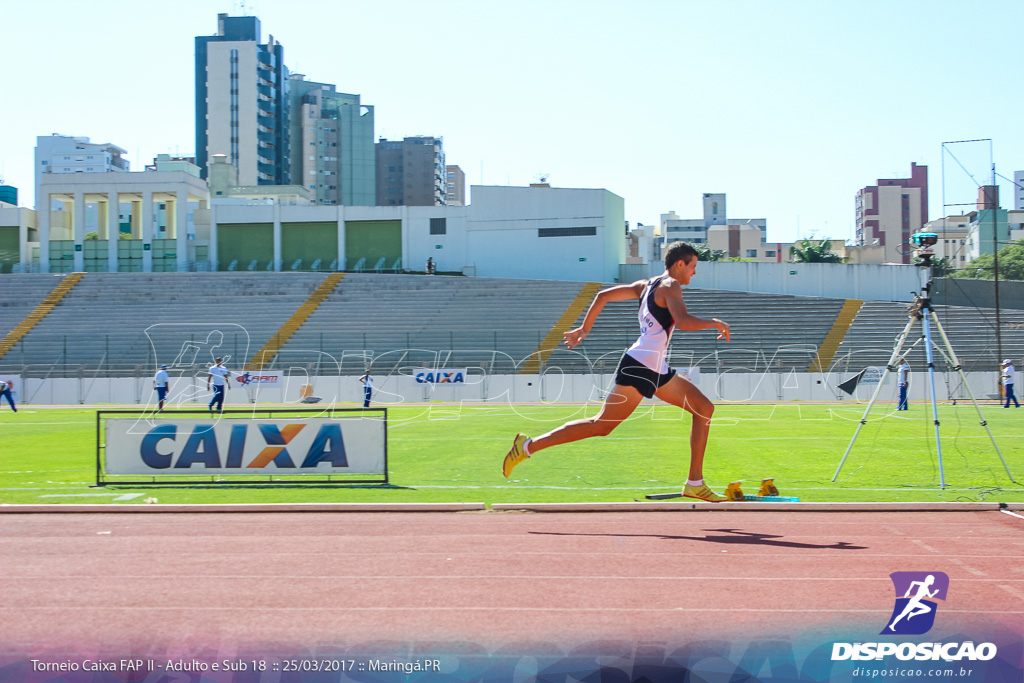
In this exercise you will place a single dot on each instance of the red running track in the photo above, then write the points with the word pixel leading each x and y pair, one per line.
pixel 230 581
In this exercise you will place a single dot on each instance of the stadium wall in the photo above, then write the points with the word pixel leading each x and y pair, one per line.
pixel 550 388
pixel 889 282
pixel 978 293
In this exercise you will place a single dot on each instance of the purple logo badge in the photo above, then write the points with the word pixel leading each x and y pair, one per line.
pixel 914 612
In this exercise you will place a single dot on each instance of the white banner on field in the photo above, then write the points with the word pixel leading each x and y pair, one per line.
pixel 243 446
pixel 443 376
pixel 262 379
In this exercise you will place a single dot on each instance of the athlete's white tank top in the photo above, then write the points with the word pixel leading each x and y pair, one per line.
pixel 656 326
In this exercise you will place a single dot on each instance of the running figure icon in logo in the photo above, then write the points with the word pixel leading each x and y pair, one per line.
pixel 916 587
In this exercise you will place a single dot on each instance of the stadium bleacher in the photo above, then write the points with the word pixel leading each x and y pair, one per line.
pixel 126 324
pixel 971 333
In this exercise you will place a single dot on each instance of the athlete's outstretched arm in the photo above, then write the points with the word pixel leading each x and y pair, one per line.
pixel 673 294
pixel 574 338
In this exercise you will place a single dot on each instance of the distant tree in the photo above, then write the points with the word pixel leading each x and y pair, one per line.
pixel 1011 264
pixel 706 253
pixel 942 267
pixel 806 251
pixel 89 236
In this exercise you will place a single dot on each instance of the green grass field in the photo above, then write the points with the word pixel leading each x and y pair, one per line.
pixel 443 453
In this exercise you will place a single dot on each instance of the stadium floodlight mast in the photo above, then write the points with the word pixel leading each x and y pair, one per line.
pixel 921 309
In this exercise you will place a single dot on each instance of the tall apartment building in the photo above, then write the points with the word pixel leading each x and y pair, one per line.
pixel 67 154
pixel 455 186
pixel 242 101
pixel 331 142
pixel 1018 190
pixel 411 172
pixel 891 211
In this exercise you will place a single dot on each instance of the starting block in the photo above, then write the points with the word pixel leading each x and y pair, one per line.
pixel 767 493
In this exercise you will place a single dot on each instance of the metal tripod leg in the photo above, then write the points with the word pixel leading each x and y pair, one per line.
pixel 963 379
pixel 935 404
pixel 878 389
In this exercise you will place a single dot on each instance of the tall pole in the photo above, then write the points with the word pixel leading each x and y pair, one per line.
pixel 994 203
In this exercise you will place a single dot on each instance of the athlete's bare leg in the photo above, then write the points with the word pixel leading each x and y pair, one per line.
pixel 684 394
pixel 619 405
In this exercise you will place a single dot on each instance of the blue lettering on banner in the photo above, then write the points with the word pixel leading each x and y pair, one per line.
pixel 150 455
pixel 201 448
pixel 272 435
pixel 203 437
pixel 328 446
pixel 236 446
pixel 440 377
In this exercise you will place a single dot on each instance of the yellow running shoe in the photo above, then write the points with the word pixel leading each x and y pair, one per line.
pixel 702 492
pixel 516 454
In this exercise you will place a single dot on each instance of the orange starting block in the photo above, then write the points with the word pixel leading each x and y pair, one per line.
pixel 733 493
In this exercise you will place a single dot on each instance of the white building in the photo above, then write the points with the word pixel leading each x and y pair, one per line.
pixel 696 230
pixel 1018 190
pixel 66 154
pixel 953 234
pixel 512 232
pixel 63 245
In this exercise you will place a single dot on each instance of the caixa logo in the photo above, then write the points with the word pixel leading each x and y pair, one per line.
pixel 440 377
pixel 159 448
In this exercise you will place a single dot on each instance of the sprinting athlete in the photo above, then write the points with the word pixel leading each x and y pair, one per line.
pixel 643 371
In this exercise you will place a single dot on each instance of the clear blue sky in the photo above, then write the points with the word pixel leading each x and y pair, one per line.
pixel 790 107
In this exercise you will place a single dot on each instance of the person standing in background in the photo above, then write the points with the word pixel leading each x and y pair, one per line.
pixel 160 380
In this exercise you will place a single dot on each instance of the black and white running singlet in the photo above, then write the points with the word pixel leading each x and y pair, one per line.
pixel 656 326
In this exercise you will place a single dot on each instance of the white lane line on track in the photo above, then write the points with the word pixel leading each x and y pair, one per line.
pixel 487 608
pixel 1012 514
pixel 119 496
pixel 964 565
pixel 474 577
pixel 1015 592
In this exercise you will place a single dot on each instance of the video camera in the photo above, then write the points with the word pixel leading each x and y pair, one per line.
pixel 925 240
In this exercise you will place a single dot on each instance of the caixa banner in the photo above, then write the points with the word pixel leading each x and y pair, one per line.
pixel 244 446
pixel 429 376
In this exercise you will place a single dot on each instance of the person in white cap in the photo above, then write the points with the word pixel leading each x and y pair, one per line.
pixel 1007 376
pixel 160 380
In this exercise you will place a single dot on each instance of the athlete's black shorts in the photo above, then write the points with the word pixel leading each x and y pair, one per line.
pixel 633 373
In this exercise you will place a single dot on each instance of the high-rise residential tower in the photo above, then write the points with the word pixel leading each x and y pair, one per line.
pixel 891 211
pixel 332 152
pixel 242 101
pixel 411 172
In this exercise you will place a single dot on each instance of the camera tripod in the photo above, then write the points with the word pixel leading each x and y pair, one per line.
pixel 921 310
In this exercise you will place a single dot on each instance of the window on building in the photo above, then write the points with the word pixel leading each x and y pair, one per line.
pixel 751 253
pixel 769 254
pixel 567 232
pixel 438 226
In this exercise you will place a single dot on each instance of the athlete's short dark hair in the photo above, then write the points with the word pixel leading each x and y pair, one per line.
pixel 678 251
